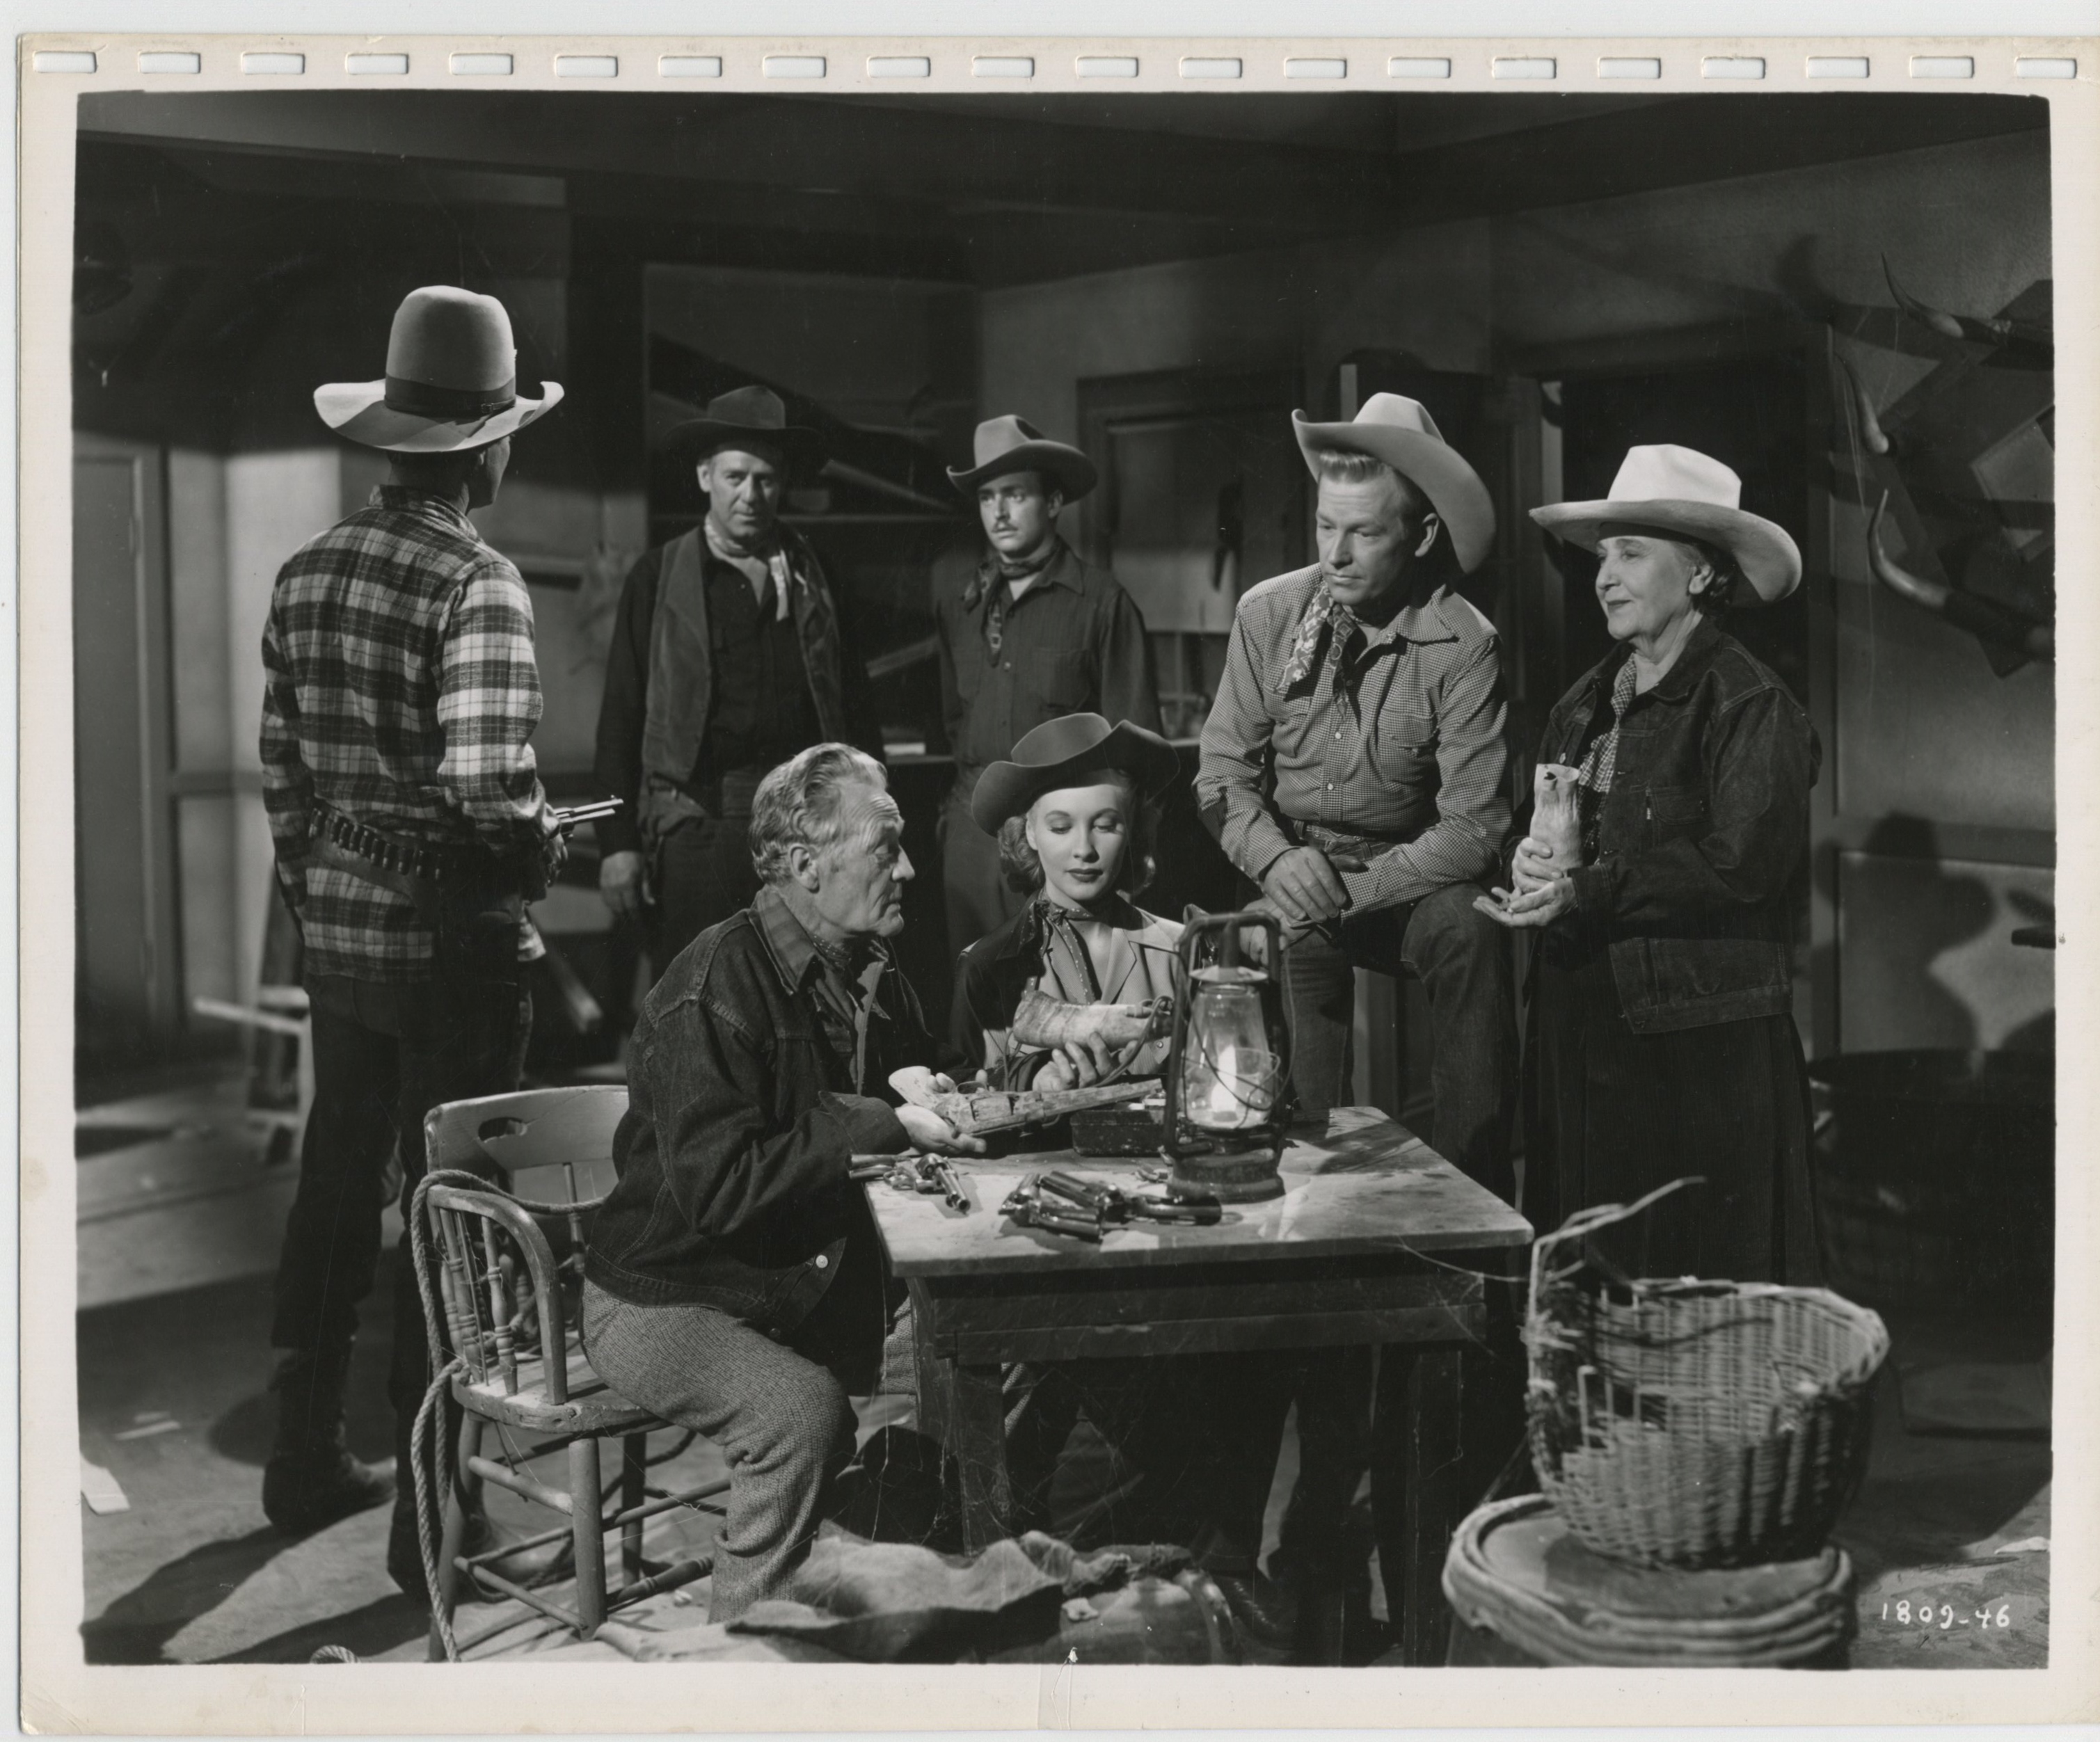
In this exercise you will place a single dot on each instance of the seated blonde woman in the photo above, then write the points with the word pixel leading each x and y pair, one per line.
pixel 1078 984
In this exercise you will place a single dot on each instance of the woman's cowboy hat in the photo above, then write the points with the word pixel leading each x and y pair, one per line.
pixel 1014 444
pixel 1681 493
pixel 750 419
pixel 452 380
pixel 1058 752
pixel 1401 432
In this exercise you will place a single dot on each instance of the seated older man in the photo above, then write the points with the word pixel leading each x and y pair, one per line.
pixel 733 1281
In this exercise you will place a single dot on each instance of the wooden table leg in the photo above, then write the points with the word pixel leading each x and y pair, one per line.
pixel 1421 1453
pixel 963 1408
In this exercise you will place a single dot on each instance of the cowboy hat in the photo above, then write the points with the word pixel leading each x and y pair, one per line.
pixel 1058 752
pixel 1014 444
pixel 749 419
pixel 1401 432
pixel 1680 492
pixel 451 384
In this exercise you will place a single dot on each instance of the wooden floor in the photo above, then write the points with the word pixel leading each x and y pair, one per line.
pixel 180 1223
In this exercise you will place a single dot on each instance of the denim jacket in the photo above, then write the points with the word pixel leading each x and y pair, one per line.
pixel 1701 842
pixel 743 1115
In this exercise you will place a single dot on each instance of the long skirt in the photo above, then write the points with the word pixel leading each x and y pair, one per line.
pixel 1610 1115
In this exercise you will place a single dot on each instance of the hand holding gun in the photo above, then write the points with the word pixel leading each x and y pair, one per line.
pixel 566 821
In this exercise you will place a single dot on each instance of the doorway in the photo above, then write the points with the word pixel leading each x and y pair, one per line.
pixel 127 976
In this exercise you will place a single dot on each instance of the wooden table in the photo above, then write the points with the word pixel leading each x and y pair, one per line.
pixel 1332 1261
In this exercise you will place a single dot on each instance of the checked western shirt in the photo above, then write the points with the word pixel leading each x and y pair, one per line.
pixel 400 688
pixel 1386 747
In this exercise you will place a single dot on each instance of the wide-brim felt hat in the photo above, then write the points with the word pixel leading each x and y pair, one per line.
pixel 451 381
pixel 1400 431
pixel 751 419
pixel 1061 752
pixel 1013 444
pixel 1680 492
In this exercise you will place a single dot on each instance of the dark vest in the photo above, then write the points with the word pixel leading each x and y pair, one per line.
pixel 682 669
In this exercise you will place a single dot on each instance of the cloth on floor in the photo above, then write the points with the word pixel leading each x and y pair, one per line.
pixel 895 1602
pixel 1147 1619
pixel 1106 1569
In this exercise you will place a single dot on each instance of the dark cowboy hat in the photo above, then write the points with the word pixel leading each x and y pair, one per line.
pixel 749 419
pixel 1059 752
pixel 450 382
pixel 1014 444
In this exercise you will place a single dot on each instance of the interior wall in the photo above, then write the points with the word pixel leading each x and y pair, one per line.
pixel 1926 736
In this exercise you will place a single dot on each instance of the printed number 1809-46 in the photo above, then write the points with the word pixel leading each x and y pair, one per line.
pixel 1904 1614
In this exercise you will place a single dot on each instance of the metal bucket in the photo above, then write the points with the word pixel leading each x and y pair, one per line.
pixel 1935 1175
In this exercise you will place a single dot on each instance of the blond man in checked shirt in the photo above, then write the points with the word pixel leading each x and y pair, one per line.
pixel 401 692
pixel 1353 766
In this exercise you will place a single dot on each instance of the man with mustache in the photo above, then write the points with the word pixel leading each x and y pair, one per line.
pixel 727 658
pixel 1035 633
pixel 1353 766
pixel 734 1279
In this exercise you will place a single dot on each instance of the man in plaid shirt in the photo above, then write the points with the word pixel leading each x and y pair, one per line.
pixel 410 829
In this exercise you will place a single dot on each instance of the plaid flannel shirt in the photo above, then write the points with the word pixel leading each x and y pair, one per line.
pixel 399 687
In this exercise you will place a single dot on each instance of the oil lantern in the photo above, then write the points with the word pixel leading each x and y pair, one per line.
pixel 1228 1073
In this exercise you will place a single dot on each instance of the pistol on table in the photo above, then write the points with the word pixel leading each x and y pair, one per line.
pixel 1062 1203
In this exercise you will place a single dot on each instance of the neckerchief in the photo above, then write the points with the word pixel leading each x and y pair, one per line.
pixel 995 577
pixel 1603 761
pixel 775 561
pixel 846 995
pixel 1323 609
pixel 1052 929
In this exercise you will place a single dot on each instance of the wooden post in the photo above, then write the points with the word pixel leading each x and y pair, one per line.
pixel 962 1407
pixel 1417 1439
pixel 584 1499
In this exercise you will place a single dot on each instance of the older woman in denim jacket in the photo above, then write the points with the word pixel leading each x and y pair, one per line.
pixel 1662 1042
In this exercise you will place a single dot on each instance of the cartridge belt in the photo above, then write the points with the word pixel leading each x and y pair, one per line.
pixel 401 858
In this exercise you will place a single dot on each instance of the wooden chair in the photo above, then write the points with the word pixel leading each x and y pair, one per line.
pixel 509 1311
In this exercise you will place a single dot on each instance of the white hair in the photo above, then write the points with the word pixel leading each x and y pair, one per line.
pixel 798 804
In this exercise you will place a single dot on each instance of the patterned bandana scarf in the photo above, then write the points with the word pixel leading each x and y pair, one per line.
pixel 1051 928
pixel 1323 610
pixel 1603 761
pixel 998 577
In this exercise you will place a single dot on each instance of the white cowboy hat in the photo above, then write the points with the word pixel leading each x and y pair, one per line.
pixel 1681 493
pixel 1401 432
pixel 452 380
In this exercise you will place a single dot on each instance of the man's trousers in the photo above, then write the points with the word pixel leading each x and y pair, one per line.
pixel 775 1407
pixel 384 1053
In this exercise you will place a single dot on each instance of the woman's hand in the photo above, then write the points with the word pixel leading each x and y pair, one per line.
pixel 930 1131
pixel 1524 910
pixel 918 1085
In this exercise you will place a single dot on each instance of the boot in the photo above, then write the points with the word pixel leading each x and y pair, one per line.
pixel 311 1479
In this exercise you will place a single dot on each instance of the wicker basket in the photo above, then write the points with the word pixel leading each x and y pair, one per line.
pixel 1693 1423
